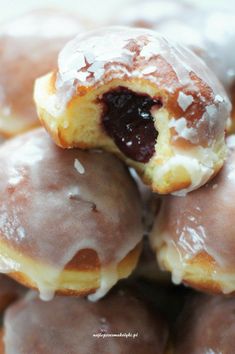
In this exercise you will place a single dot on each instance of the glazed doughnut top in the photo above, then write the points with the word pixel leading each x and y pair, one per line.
pixel 76 326
pixel 29 46
pixel 197 103
pixel 203 221
pixel 55 203
pixel 207 326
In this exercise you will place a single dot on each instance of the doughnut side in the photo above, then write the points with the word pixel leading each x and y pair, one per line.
pixel 200 272
pixel 82 276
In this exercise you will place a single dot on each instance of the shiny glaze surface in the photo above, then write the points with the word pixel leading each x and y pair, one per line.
pixel 55 203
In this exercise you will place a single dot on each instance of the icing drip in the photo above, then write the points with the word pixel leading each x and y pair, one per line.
pixel 49 211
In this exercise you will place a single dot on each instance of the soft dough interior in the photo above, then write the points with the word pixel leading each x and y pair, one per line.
pixel 80 125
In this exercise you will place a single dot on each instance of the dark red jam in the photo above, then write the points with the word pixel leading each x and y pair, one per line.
pixel 128 121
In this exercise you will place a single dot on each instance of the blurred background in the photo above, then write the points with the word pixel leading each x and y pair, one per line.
pixel 99 11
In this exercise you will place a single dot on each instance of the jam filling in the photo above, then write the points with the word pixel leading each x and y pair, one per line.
pixel 128 121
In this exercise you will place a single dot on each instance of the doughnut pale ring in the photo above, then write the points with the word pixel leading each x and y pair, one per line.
pixel 70 220
pixel 194 236
pixel 131 92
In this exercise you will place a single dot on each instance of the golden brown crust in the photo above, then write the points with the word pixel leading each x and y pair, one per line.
pixel 80 268
pixel 200 272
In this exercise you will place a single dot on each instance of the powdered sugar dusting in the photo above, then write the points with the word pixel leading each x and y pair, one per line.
pixel 184 100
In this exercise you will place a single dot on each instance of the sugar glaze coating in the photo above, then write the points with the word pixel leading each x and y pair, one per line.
pixel 55 203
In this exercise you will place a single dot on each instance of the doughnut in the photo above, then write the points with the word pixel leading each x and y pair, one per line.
pixel 206 326
pixel 196 28
pixel 9 291
pixel 70 220
pixel 119 323
pixel 132 93
pixel 29 46
pixel 193 236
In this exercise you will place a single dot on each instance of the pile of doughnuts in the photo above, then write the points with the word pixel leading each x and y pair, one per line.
pixel 117 163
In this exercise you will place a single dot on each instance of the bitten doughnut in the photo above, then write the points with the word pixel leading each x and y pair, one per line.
pixel 29 46
pixel 70 221
pixel 194 236
pixel 9 291
pixel 131 92
pixel 120 323
pixel 206 326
